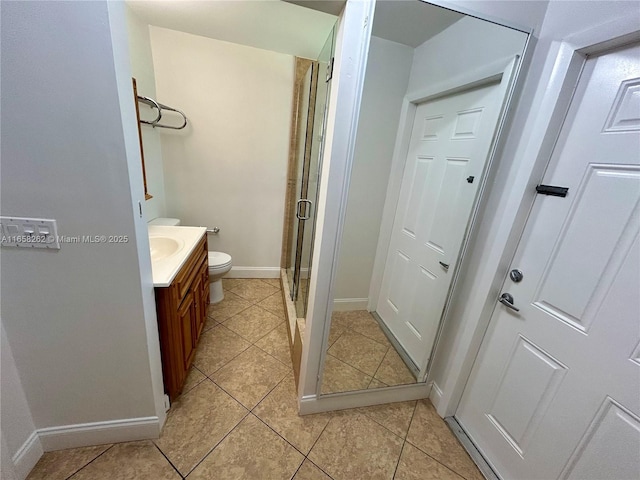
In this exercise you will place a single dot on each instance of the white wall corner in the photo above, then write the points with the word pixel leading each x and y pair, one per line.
pixel 21 448
pixel 122 66
pixel 435 395
pixel 27 456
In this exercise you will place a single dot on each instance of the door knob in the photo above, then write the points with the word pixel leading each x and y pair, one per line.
pixel 507 300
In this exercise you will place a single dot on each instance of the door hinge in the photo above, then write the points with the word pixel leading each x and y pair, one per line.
pixel 330 69
pixel 167 403
pixel 552 190
pixel 140 208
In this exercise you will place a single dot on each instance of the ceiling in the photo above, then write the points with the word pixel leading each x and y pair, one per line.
pixel 294 27
pixel 334 7
pixel 411 22
pixel 267 24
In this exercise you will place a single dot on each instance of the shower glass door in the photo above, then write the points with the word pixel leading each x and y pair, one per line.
pixel 310 149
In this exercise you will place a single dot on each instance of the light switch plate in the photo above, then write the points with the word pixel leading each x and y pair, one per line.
pixel 29 232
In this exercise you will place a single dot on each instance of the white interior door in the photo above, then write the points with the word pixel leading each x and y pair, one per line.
pixel 555 390
pixel 447 154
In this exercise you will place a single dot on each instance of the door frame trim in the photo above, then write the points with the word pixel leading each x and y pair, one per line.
pixel 562 68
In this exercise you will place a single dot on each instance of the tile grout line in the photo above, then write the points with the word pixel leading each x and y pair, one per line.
pixel 236 356
pixel 267 394
pixel 352 366
pixel 220 322
pixel 274 431
pixel 223 365
pixel 428 455
pixel 318 466
pixel 383 357
pixel 404 443
pixel 228 393
pixel 355 368
pixel 275 358
pixel 383 426
pixel 395 470
pixel 219 442
pixel 438 461
pixel 168 460
pixel 315 443
pixel 389 346
pixel 246 339
pixel 231 359
pixel 90 461
pixel 271 355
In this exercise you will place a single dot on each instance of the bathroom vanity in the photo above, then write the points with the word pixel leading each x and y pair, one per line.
pixel 181 281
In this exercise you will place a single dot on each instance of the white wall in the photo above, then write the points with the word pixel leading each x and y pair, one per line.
pixel 81 320
pixel 142 71
pixel 466 45
pixel 228 167
pixel 15 417
pixel 385 85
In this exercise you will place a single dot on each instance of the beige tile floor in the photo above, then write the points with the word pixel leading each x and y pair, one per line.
pixel 359 356
pixel 237 418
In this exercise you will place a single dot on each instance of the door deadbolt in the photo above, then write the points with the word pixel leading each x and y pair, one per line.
pixel 516 275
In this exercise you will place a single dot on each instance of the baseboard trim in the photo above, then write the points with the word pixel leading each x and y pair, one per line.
pixel 436 395
pixel 27 456
pixel 98 433
pixel 253 272
pixel 350 304
pixel 362 398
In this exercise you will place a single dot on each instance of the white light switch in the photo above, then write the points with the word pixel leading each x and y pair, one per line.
pixel 29 232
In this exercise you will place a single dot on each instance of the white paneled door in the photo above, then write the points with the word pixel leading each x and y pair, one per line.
pixel 447 154
pixel 555 390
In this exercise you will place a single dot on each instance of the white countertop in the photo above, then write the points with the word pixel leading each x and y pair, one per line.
pixel 166 269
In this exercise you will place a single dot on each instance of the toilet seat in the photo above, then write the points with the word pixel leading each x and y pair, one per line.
pixel 218 259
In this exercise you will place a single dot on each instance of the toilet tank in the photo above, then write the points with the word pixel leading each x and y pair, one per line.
pixel 165 222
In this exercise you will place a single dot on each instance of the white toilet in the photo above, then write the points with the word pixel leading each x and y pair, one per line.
pixel 219 263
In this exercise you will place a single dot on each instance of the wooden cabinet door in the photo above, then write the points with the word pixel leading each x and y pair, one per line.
pixel 186 317
pixel 204 273
pixel 199 311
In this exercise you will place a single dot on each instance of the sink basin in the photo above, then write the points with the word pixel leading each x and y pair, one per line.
pixel 163 247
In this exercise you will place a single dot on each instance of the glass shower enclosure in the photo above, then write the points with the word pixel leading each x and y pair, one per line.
pixel 310 142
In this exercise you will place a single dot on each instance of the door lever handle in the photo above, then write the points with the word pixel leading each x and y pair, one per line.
pixel 444 265
pixel 507 300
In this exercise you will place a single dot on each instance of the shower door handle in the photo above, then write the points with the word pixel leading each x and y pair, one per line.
pixel 307 215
